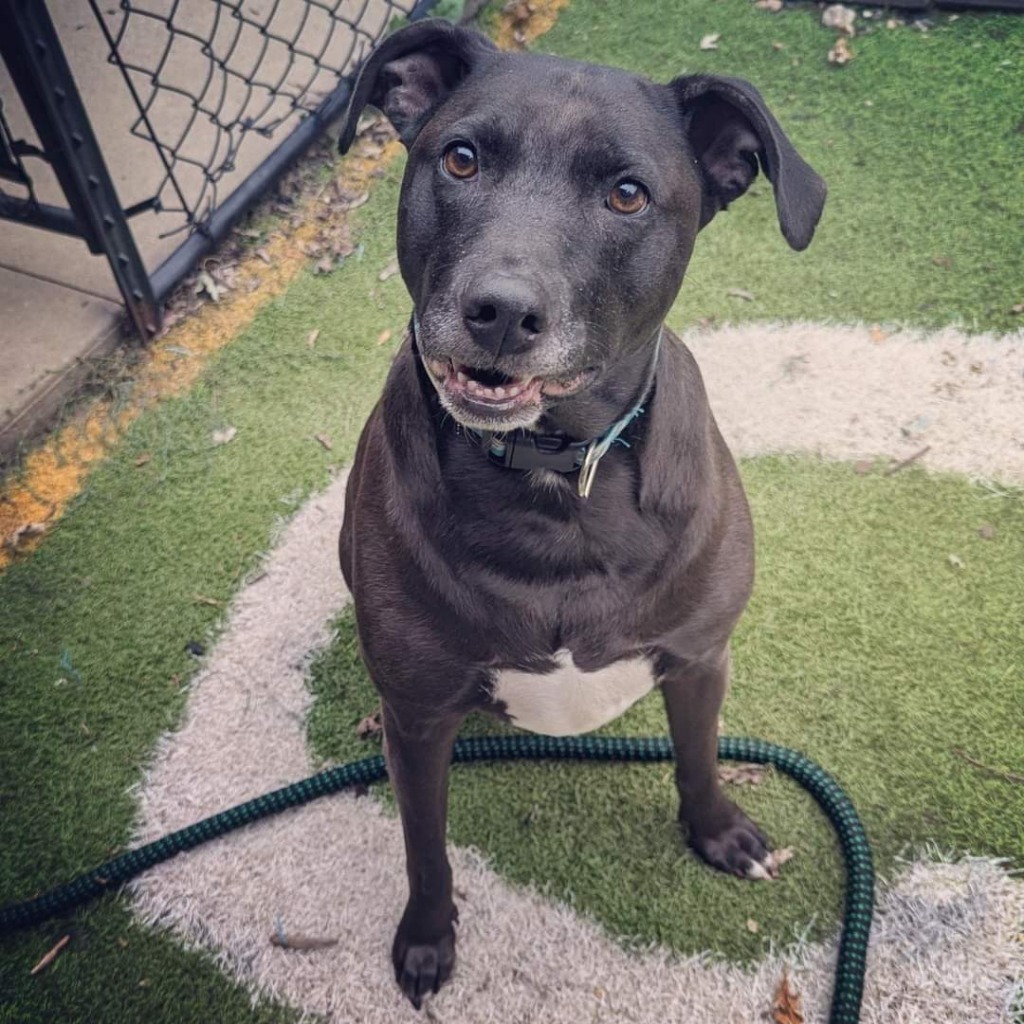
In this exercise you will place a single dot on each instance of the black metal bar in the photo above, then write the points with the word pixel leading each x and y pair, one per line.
pixel 216 227
pixel 32 51
pixel 40 215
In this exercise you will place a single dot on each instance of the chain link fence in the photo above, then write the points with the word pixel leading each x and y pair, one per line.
pixel 219 98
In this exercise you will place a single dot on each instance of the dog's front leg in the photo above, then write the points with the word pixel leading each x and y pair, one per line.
pixel 719 832
pixel 418 750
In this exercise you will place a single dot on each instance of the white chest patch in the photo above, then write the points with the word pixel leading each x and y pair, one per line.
pixel 569 701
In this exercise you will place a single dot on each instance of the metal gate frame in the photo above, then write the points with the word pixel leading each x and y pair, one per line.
pixel 32 51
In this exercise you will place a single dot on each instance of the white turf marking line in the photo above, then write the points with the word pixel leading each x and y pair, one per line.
pixel 946 945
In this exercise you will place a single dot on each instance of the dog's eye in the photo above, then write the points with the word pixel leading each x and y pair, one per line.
pixel 460 161
pixel 628 196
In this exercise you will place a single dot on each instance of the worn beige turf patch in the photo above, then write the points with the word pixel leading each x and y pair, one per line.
pixel 33 500
pixel 860 393
pixel 947 942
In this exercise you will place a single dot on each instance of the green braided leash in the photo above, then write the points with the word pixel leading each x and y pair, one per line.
pixel 860 875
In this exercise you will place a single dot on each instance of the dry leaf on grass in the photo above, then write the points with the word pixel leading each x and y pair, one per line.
pixel 741 293
pixel 205 283
pixel 312 336
pixel 324 440
pixel 1018 309
pixel 389 270
pixel 710 42
pixel 786 1005
pixel 224 435
pixel 142 459
pixel 24 533
pixel 840 54
pixel 752 926
pixel 349 200
pixel 384 337
pixel 741 774
pixel 211 601
pixel 987 532
pixel 263 255
pixel 956 562
pixel 839 17
pixel 370 727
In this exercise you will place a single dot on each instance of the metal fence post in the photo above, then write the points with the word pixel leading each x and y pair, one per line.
pixel 32 51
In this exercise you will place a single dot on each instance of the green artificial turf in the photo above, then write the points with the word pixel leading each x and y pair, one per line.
pixel 864 646
pixel 925 216
pixel 94 624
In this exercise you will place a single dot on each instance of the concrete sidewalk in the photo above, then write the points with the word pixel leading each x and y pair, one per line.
pixel 59 305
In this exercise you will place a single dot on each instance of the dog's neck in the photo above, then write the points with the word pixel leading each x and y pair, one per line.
pixel 557 451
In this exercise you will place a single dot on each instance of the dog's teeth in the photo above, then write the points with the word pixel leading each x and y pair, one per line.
pixel 461 377
pixel 498 392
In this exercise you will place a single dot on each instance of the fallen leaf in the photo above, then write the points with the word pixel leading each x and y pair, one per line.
pixel 324 440
pixel 350 200
pixel 956 562
pixel 839 17
pixel 741 293
pixel 384 337
pixel 840 54
pixel 710 42
pixel 370 727
pixel 786 1005
pixel 224 435
pixel 942 261
pixel 24 533
pixel 205 283
pixel 142 459
pixel 1019 308
pixel 741 774
pixel 211 601
pixel 390 270
pixel 324 266
pixel 312 336
pixel 863 466
pixel 705 323
pixel 987 532
pixel 263 255
pixel 752 926
pixel 778 46
pixel 877 334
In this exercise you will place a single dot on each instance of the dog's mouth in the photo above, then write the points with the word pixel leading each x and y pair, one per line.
pixel 489 391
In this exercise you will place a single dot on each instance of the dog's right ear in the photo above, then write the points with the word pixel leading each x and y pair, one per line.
pixel 409 75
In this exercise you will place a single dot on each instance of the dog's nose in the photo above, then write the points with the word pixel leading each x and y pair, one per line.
pixel 505 315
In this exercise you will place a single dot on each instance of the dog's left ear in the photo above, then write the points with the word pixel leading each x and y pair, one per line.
pixel 412 72
pixel 731 130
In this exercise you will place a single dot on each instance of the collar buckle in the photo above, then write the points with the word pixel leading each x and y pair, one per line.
pixel 535 451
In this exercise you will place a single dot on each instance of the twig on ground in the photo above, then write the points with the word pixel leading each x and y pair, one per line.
pixel 996 772
pixel 51 956
pixel 893 470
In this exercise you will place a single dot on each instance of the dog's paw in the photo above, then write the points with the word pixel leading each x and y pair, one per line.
pixel 423 961
pixel 729 841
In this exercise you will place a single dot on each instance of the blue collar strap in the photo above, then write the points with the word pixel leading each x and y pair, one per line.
pixel 521 449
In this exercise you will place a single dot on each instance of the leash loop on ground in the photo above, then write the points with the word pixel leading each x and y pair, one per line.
pixel 860 877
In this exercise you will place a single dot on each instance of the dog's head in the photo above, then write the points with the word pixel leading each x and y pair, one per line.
pixel 549 210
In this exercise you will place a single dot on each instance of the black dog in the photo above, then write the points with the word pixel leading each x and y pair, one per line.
pixel 503 551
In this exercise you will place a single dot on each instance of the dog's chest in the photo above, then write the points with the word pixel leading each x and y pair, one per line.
pixel 568 701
